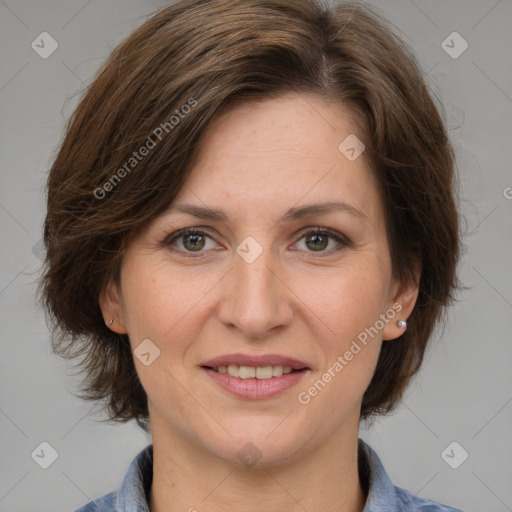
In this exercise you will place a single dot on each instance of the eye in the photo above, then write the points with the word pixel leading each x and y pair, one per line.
pixel 316 240
pixel 189 240
pixel 319 239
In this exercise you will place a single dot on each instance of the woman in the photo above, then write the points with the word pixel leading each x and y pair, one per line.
pixel 251 234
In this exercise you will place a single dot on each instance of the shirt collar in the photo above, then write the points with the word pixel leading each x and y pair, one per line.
pixel 133 494
pixel 380 489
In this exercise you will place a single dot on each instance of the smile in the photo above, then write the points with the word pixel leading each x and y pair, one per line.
pixel 255 383
pixel 251 372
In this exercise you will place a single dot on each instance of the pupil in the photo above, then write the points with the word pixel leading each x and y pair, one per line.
pixel 195 241
pixel 322 239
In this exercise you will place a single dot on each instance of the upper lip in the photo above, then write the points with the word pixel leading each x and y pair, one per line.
pixel 255 360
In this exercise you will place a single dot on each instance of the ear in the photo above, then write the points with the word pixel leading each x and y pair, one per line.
pixel 111 306
pixel 403 298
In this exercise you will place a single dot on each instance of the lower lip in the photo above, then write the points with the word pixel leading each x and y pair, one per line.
pixel 255 389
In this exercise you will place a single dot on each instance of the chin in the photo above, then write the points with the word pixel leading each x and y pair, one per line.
pixel 261 443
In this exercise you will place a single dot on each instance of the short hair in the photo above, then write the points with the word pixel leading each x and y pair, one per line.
pixel 162 87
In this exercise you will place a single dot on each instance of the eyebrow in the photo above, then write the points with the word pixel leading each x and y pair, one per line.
pixel 293 214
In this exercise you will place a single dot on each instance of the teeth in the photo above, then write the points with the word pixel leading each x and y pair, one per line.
pixel 251 372
pixel 264 372
pixel 247 372
pixel 233 370
pixel 277 371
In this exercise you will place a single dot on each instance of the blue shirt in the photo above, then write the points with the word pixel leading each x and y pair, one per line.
pixel 383 496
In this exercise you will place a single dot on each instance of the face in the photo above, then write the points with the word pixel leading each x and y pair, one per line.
pixel 264 280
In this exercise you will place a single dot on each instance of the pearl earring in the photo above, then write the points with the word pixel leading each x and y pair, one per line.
pixel 402 323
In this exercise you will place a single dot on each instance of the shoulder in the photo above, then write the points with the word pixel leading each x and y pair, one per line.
pixel 133 492
pixel 105 504
pixel 383 495
pixel 412 503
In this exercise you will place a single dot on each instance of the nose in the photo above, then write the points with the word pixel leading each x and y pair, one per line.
pixel 256 299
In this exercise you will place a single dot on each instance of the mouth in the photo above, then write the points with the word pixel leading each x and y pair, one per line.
pixel 255 372
pixel 255 382
pixel 255 376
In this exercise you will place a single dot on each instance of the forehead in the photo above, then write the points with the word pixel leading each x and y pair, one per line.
pixel 272 153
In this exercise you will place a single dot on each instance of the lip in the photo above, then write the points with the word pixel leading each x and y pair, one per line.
pixel 255 389
pixel 255 360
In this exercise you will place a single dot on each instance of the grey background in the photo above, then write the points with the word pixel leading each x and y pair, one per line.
pixel 464 391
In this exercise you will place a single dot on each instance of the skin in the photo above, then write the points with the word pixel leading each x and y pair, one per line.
pixel 257 161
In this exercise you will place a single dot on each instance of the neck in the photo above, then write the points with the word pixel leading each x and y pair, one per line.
pixel 189 478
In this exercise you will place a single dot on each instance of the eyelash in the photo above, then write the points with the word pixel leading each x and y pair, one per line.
pixel 342 241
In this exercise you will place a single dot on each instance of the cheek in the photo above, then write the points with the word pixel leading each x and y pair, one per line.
pixel 350 345
pixel 347 301
pixel 159 299
pixel 162 306
pixel 349 304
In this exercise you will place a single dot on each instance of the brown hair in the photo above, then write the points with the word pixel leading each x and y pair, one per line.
pixel 169 78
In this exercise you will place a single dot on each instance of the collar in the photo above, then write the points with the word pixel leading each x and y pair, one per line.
pixel 382 494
